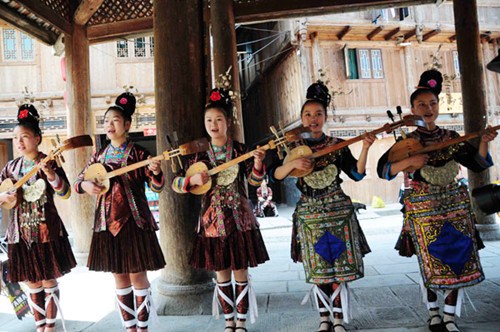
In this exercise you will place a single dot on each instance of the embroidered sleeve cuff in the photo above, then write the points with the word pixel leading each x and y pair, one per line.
pixel 180 185
pixel 484 162
pixel 77 186
pixel 63 189
pixel 57 183
pixel 157 182
pixel 256 177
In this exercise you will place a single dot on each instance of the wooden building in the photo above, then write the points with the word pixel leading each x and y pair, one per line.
pixel 372 60
pixel 192 41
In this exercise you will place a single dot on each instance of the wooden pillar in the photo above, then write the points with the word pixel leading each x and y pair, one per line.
pixel 316 57
pixel 180 98
pixel 225 53
pixel 474 100
pixel 409 64
pixel 79 115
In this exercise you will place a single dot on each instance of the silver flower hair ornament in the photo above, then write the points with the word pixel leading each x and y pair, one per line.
pixel 223 82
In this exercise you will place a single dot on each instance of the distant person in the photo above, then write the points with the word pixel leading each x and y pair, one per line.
pixel 39 251
pixel 124 241
pixel 265 205
pixel 439 220
pixel 326 234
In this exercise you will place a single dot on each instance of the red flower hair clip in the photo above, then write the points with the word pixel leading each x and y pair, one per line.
pixel 24 114
pixel 432 83
pixel 123 101
pixel 215 96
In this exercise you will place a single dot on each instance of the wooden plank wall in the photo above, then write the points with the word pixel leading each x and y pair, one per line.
pixel 275 98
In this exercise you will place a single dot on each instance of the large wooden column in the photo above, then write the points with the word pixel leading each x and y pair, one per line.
pixel 474 100
pixel 79 117
pixel 225 53
pixel 179 97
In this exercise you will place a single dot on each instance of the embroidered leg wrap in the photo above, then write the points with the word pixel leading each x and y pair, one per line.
pixel 324 304
pixel 241 300
pixel 51 305
pixel 336 303
pixel 340 302
pixel 36 300
pixel 145 306
pixel 125 302
pixel 224 295
pixel 246 302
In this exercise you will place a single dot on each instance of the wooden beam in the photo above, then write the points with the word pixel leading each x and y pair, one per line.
pixel 392 33
pixel 23 23
pixel 258 11
pixel 430 34
pixel 410 34
pixel 85 10
pixel 374 32
pixel 47 14
pixel 344 32
pixel 105 32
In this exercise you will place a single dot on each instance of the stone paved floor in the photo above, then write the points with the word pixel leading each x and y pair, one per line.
pixel 387 299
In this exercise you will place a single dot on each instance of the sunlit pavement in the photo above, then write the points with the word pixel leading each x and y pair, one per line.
pixel 386 299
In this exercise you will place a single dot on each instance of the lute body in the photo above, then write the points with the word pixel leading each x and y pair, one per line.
pixel 199 167
pixel 304 151
pixel 410 147
pixel 98 173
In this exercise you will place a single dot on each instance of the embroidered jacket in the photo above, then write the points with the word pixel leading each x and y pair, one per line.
pixel 126 198
pixel 52 227
pixel 442 166
pixel 225 207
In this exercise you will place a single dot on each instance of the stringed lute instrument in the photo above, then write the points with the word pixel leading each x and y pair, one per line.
pixel 290 136
pixel 97 173
pixel 304 151
pixel 411 146
pixel 31 193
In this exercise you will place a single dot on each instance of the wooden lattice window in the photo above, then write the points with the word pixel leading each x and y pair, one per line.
pixel 17 46
pixel 9 45
pixel 363 63
pixel 27 48
pixel 122 49
pixel 141 47
pixel 152 46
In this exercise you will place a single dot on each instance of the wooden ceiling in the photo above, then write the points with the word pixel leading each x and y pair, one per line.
pixel 389 32
pixel 111 19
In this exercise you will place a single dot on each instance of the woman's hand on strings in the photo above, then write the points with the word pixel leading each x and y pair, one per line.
pixel 199 179
pixel 49 172
pixel 154 166
pixel 91 188
pixel 258 156
pixel 302 164
pixel 368 140
pixel 490 136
